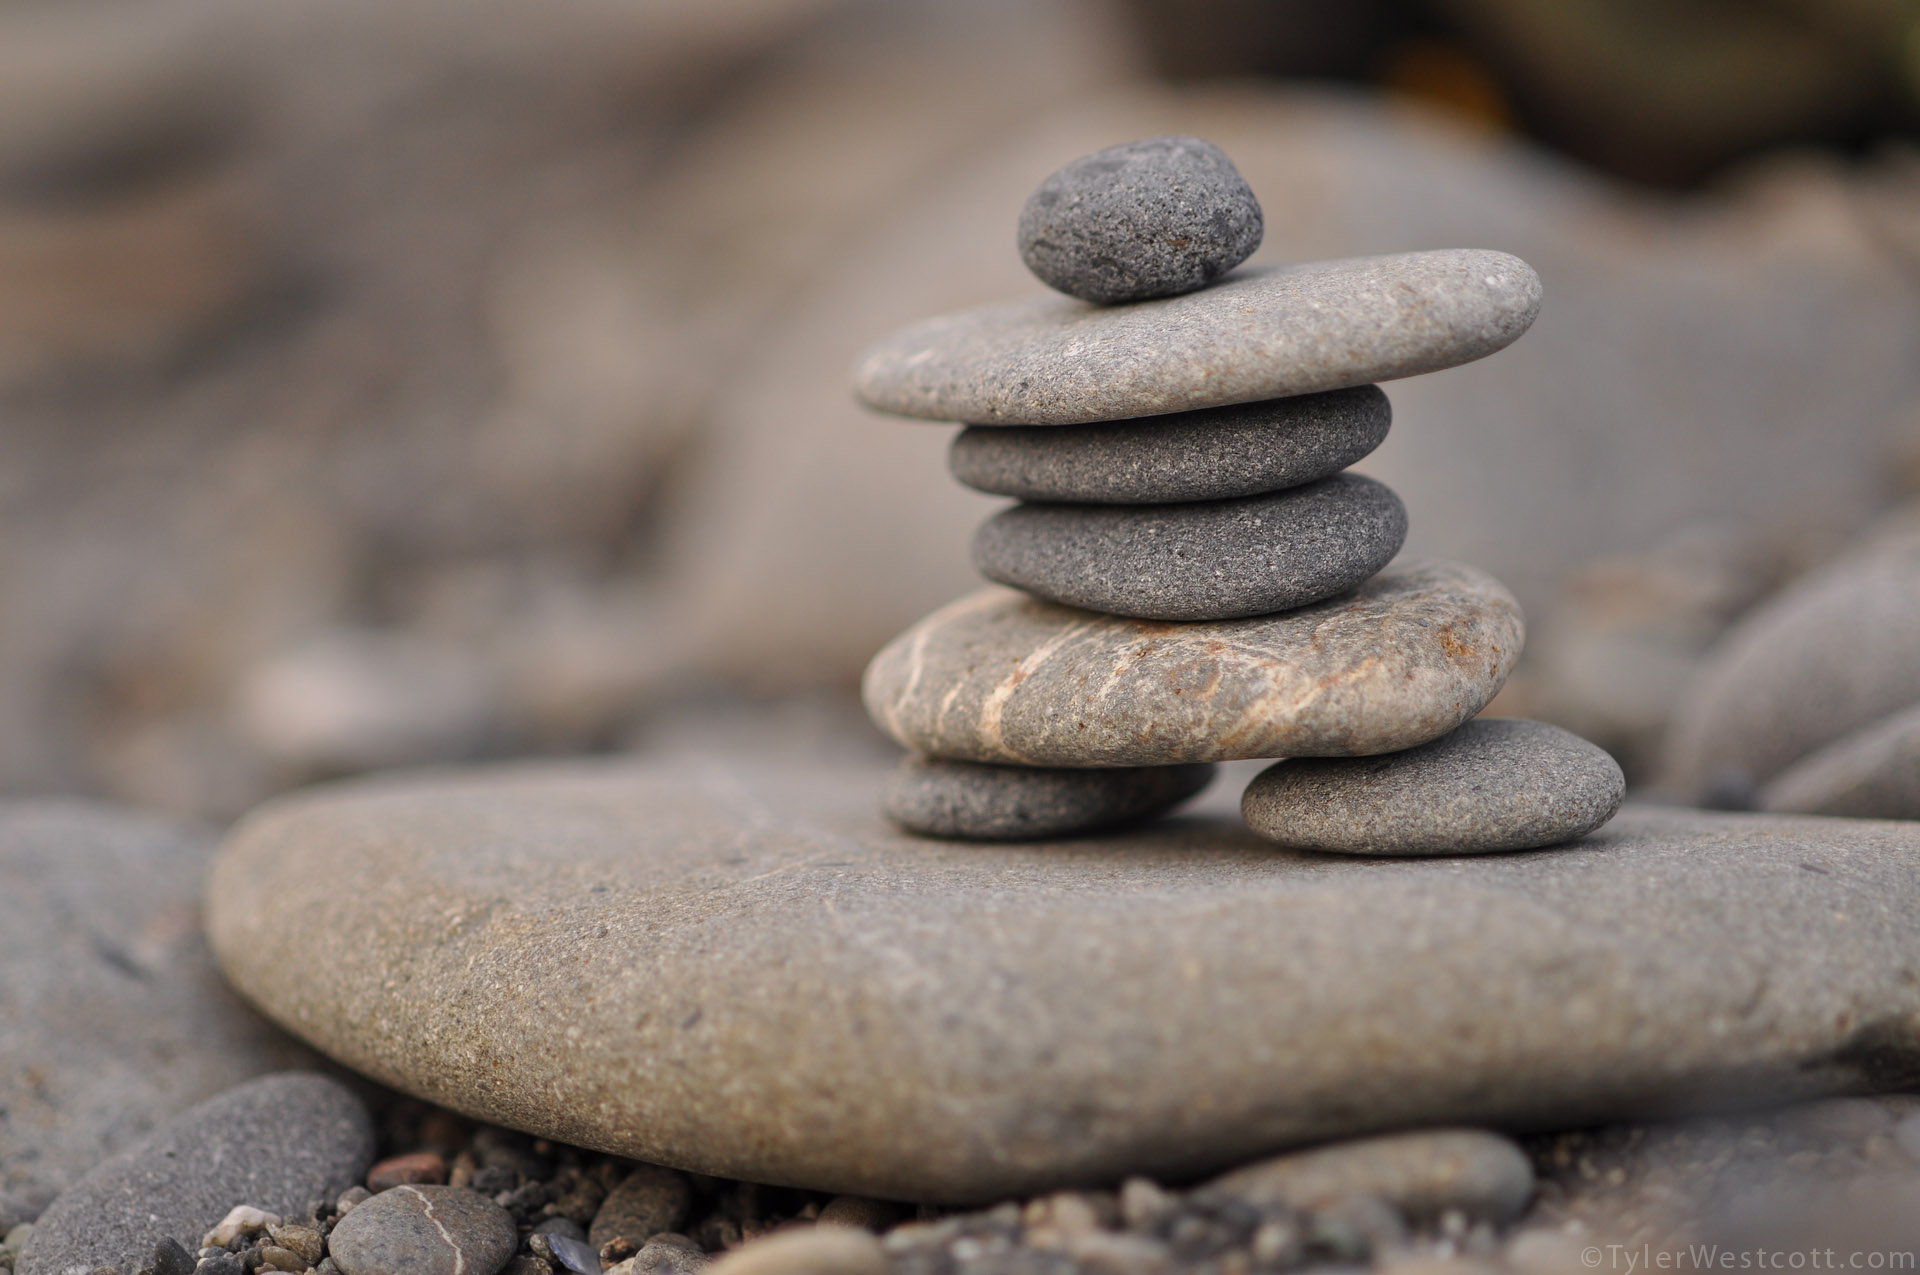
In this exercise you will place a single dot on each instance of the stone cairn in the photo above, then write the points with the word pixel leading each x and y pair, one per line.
pixel 1195 576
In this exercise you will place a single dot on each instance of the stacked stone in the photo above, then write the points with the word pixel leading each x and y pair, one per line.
pixel 1195 576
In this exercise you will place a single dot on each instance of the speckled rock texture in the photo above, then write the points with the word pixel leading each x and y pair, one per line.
pixel 1266 332
pixel 1831 654
pixel 1152 218
pixel 1000 676
pixel 1208 560
pixel 278 1143
pixel 1874 773
pixel 1422 1174
pixel 1493 784
pixel 969 801
pixel 786 990
pixel 113 1018
pixel 1215 454
pixel 424 1230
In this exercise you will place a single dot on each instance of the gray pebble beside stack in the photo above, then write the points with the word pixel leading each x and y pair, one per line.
pixel 1211 584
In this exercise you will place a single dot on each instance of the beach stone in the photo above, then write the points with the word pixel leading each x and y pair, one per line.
pixel 833 1250
pixel 650 1200
pixel 1152 218
pixel 1000 676
pixel 969 801
pixel 424 1230
pixel 1492 784
pixel 1423 1174
pixel 1267 332
pixel 1873 773
pixel 1210 560
pixel 786 990
pixel 1215 454
pixel 277 1143
pixel 112 1016
pixel 1830 655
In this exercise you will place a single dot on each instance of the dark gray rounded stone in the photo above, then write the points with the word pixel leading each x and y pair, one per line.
pixel 278 1143
pixel 424 1230
pixel 1217 454
pixel 1210 560
pixel 1152 218
pixel 974 801
pixel 1492 784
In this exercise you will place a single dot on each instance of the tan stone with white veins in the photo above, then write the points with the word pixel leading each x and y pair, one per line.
pixel 1260 333
pixel 1000 676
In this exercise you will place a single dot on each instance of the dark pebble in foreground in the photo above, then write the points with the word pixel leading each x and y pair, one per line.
pixel 1215 454
pixel 278 1143
pixel 1152 218
pixel 1209 560
pixel 972 801
pixel 1493 784
pixel 424 1230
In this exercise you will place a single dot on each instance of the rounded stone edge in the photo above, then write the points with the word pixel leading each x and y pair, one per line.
pixel 1110 798
pixel 1363 412
pixel 1270 828
pixel 1229 191
pixel 903 400
pixel 881 701
pixel 1381 509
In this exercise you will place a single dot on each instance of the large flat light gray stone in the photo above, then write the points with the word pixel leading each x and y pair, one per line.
pixel 1265 332
pixel 112 1015
pixel 738 968
pixel 1000 676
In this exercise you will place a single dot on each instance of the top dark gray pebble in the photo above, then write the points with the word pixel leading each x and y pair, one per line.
pixel 424 1230
pixel 1268 332
pixel 278 1143
pixel 1152 218
pixel 1244 450
pixel 1492 784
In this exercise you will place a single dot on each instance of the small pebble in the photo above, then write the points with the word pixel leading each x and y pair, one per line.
pixel 574 1254
pixel 417 1168
pixel 668 1254
pixel 303 1241
pixel 223 1264
pixel 1206 560
pixel 1493 784
pixel 648 1201
pixel 858 1210
pixel 351 1198
pixel 242 1219
pixel 425 1230
pixel 834 1250
pixel 528 1265
pixel 1152 218
pixel 1143 1203
pixel 976 801
pixel 1217 454
pixel 170 1257
pixel 1422 1174
pixel 275 1258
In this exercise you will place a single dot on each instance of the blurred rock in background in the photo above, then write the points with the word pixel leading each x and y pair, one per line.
pixel 385 383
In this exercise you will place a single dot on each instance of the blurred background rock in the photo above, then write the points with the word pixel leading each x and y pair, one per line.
pixel 396 382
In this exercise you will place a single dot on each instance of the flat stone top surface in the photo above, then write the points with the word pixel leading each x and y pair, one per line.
pixel 734 966
pixel 1260 333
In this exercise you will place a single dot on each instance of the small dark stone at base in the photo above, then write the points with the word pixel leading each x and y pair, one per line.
pixel 971 801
